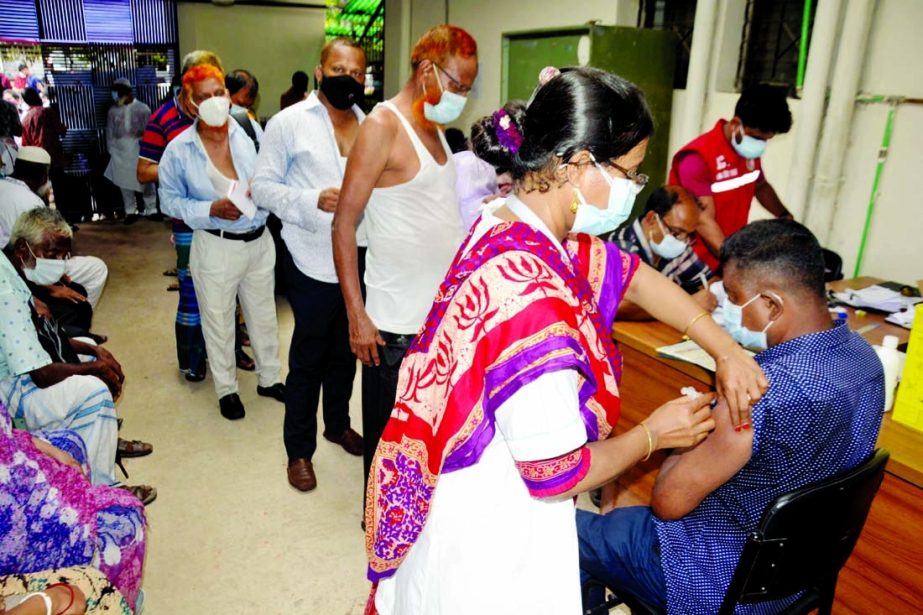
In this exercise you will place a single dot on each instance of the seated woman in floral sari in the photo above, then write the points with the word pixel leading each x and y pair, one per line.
pixel 508 395
pixel 52 517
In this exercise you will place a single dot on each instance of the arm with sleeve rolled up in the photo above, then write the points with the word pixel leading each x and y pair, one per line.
pixel 174 194
pixel 544 430
pixel 738 378
pixel 292 205
pixel 363 169
pixel 689 475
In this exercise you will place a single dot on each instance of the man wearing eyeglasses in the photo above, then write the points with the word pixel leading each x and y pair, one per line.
pixel 663 236
pixel 401 177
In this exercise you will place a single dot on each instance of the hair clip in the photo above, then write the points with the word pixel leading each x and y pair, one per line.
pixel 507 133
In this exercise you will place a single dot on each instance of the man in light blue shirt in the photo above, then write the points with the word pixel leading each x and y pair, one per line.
pixel 298 176
pixel 205 180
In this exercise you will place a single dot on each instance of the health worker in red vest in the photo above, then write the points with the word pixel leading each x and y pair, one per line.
pixel 722 167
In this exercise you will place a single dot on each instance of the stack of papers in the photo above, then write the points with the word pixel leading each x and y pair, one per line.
pixel 690 352
pixel 901 319
pixel 877 298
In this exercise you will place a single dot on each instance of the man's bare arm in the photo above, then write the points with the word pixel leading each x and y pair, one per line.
pixel 689 475
pixel 768 198
pixel 708 229
pixel 147 171
pixel 367 160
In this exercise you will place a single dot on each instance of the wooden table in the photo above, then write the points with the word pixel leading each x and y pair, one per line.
pixel 885 572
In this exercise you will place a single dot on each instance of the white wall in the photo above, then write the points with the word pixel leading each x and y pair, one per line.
pixel 892 68
pixel 271 42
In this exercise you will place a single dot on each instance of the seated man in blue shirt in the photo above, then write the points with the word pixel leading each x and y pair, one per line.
pixel 662 236
pixel 819 418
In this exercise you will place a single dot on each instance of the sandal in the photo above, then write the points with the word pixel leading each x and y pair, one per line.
pixel 170 273
pixel 98 338
pixel 145 493
pixel 133 448
pixel 173 287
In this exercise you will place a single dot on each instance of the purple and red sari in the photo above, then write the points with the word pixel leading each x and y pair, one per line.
pixel 510 310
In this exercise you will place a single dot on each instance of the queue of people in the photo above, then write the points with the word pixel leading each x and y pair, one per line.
pixel 476 290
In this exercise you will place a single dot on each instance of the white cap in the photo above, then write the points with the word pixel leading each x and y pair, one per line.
pixel 32 153
pixel 889 341
pixel 122 81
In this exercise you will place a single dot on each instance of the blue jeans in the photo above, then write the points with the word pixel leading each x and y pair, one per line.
pixel 621 550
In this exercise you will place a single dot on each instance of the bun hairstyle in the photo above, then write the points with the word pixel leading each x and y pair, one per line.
pixel 580 109
pixel 496 149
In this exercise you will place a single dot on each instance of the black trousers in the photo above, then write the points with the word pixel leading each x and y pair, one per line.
pixel 319 358
pixel 379 390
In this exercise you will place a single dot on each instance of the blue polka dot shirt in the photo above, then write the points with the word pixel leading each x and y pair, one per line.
pixel 820 417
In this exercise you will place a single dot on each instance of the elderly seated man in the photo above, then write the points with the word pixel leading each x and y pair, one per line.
pixel 662 236
pixel 819 418
pixel 42 391
pixel 24 190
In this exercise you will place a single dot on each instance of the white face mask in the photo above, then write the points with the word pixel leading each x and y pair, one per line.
pixel 449 107
pixel 46 270
pixel 669 247
pixel 214 111
pixel 44 189
pixel 733 323
pixel 595 221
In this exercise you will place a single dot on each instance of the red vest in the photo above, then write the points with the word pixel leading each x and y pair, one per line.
pixel 733 183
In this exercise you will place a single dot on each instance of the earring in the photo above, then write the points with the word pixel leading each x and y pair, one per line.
pixel 575 203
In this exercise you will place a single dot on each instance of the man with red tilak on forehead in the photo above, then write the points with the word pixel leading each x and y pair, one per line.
pixel 400 175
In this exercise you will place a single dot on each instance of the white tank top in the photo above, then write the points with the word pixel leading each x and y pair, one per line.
pixel 414 230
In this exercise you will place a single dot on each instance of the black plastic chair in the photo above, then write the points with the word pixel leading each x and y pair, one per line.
pixel 802 542
pixel 833 266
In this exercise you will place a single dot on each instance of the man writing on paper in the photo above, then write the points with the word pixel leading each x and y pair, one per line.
pixel 819 418
pixel 663 236
pixel 722 168
pixel 204 180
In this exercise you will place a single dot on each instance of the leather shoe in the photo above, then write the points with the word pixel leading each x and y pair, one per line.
pixel 351 442
pixel 301 475
pixel 231 407
pixel 276 391
pixel 244 361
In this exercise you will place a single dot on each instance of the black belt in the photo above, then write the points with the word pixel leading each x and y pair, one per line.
pixel 250 236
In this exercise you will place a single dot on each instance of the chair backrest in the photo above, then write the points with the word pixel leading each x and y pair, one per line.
pixel 833 266
pixel 806 536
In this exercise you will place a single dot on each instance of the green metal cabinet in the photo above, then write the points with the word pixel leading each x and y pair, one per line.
pixel 645 57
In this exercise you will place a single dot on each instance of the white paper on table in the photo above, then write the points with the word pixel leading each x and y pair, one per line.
pixel 239 193
pixel 876 297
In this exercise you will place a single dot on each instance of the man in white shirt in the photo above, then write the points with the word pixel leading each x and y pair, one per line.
pixel 23 191
pixel 125 124
pixel 402 179
pixel 297 177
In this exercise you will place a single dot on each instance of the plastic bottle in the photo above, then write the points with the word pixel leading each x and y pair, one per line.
pixel 891 361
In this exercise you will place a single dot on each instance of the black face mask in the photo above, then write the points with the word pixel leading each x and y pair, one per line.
pixel 342 91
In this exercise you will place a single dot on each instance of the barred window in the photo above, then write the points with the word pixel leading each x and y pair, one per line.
pixel 678 17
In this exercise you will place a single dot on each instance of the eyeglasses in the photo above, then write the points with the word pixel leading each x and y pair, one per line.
pixel 455 85
pixel 679 233
pixel 638 178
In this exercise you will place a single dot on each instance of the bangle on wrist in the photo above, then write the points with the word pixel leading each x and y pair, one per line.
pixel 70 602
pixel 650 441
pixel 694 320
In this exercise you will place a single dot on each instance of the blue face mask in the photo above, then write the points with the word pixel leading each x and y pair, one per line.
pixel 595 221
pixel 115 96
pixel 733 323
pixel 749 147
pixel 449 107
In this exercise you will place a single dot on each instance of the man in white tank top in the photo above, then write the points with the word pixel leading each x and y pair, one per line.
pixel 401 177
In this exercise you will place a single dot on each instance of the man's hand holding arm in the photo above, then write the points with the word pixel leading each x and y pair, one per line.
pixel 367 161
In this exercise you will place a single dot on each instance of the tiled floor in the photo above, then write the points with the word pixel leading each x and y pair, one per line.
pixel 227 534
